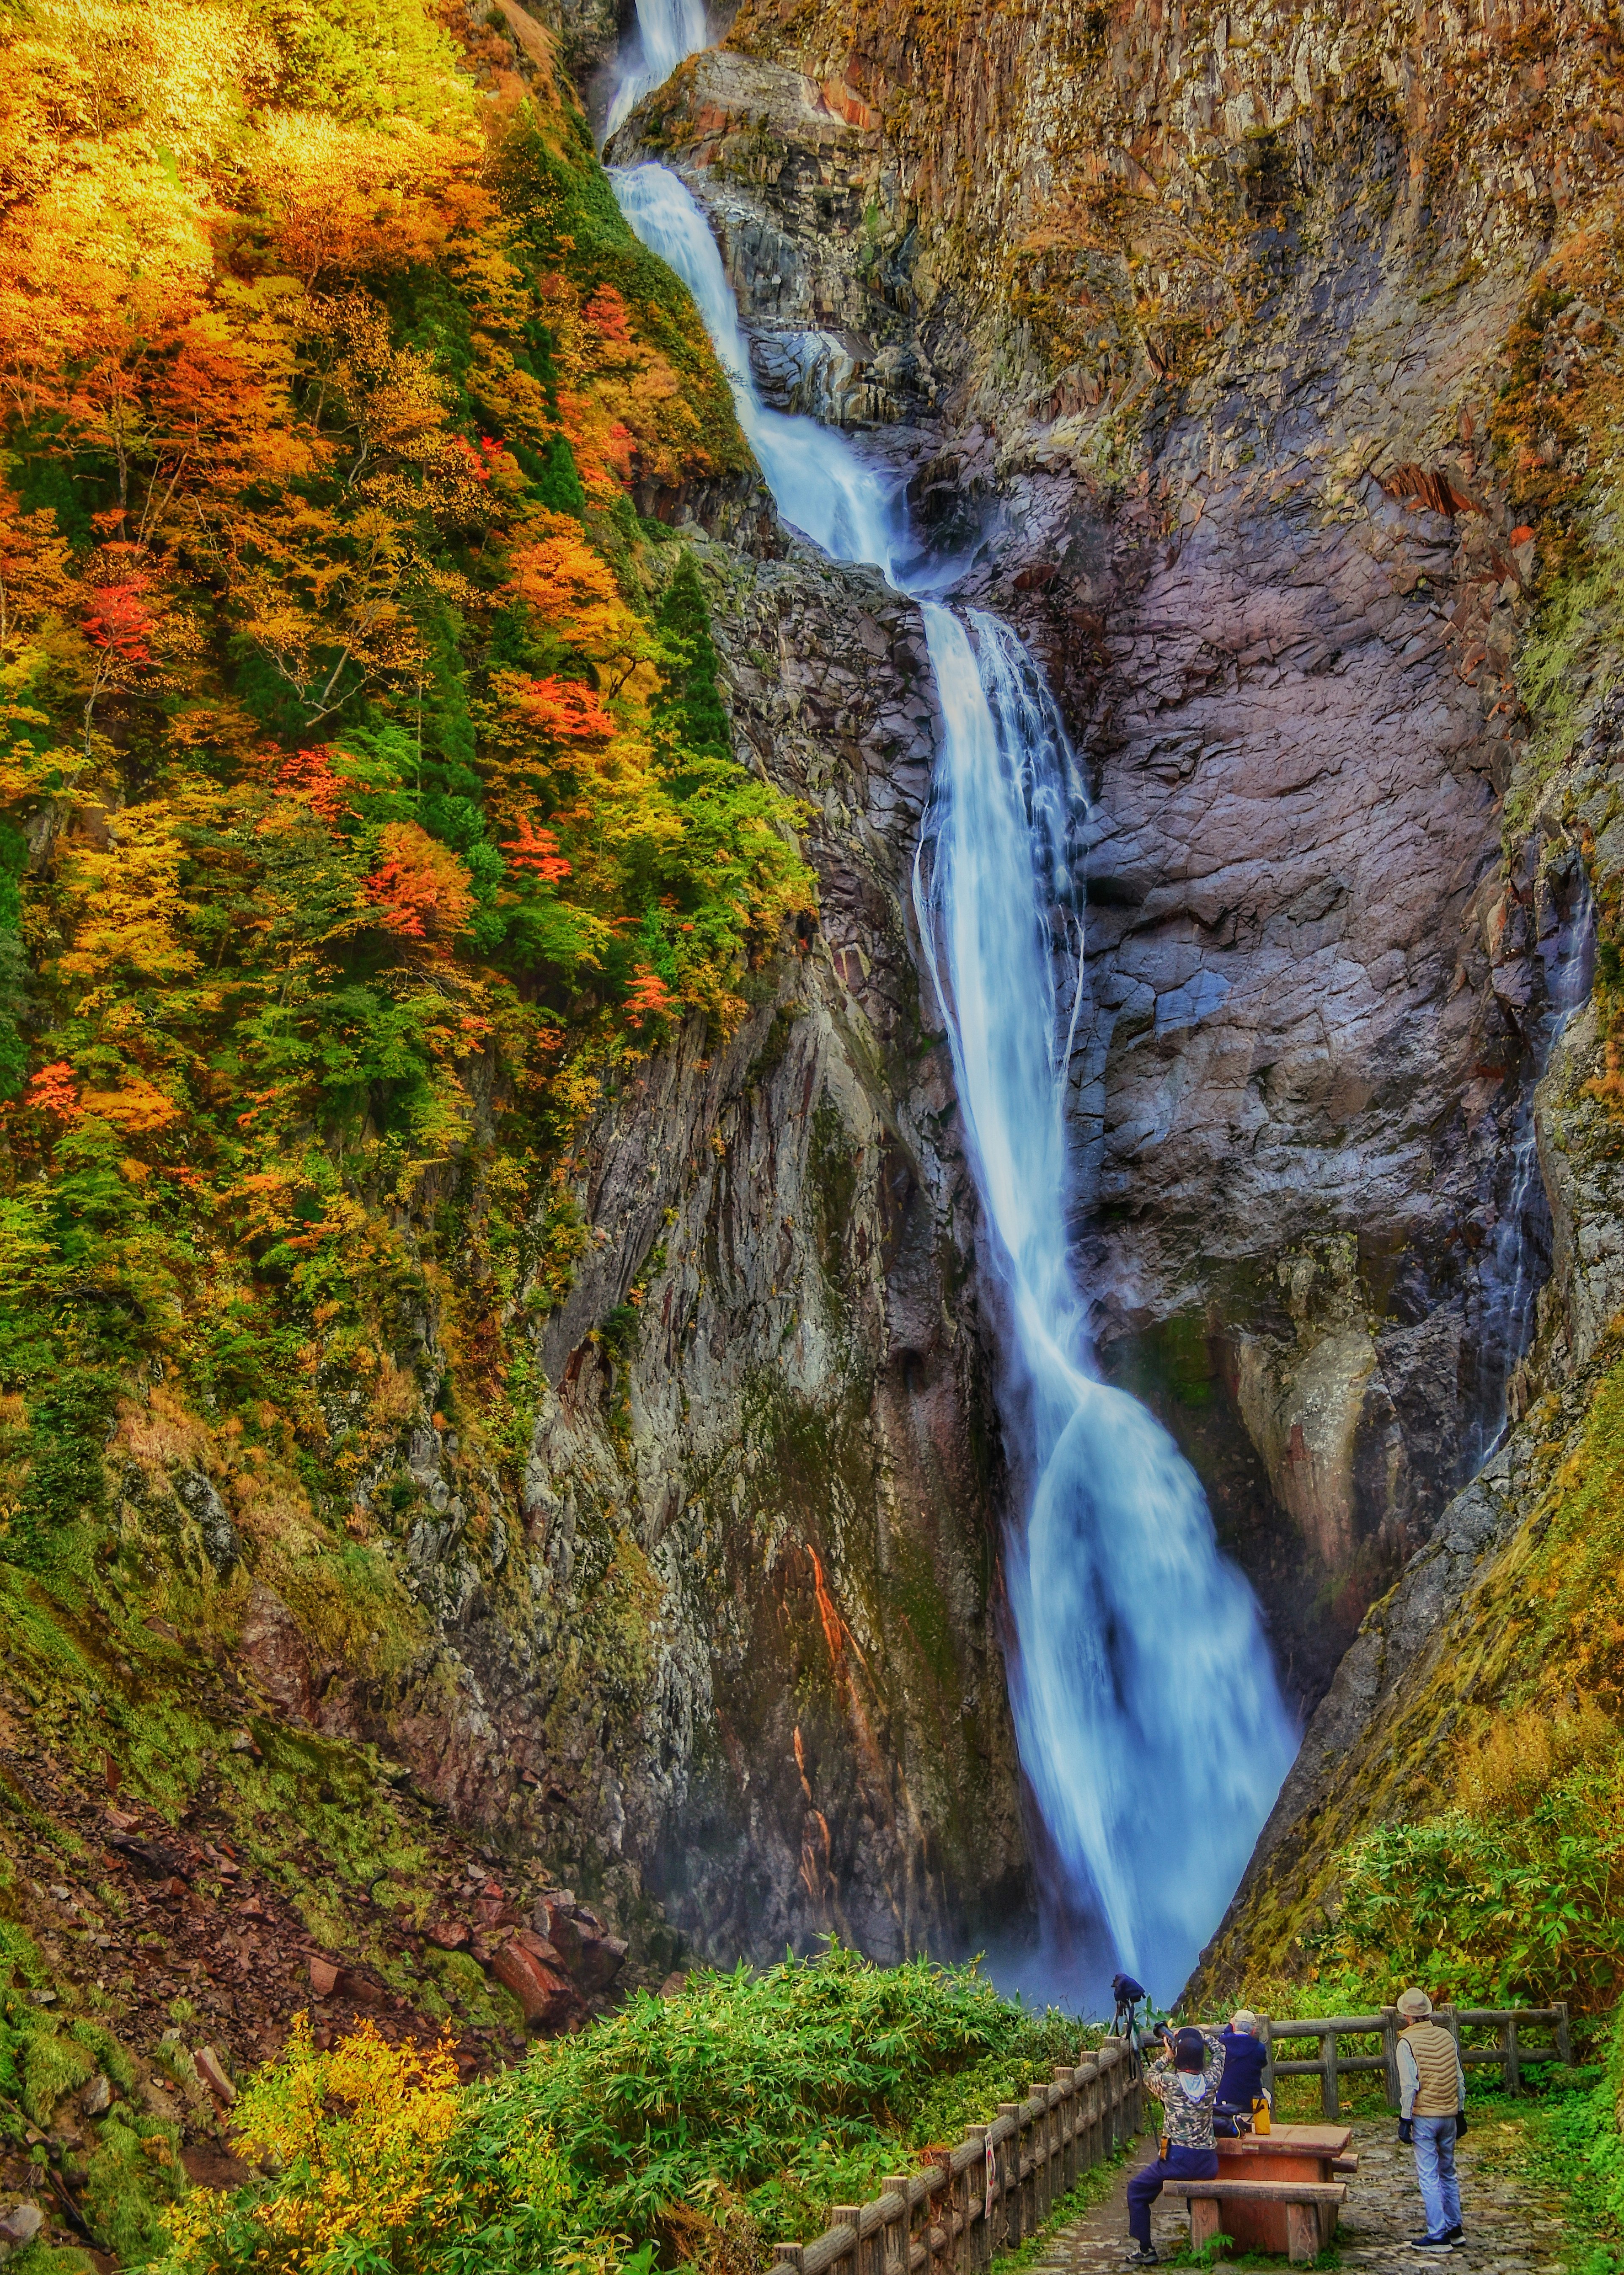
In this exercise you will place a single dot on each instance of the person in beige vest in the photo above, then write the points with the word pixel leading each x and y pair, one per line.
pixel 1432 2117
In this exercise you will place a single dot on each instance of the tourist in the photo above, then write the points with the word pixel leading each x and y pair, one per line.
pixel 1432 2117
pixel 1184 2078
pixel 1240 2087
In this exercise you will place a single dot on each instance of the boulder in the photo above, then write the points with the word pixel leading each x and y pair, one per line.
pixel 20 2226
pixel 550 1999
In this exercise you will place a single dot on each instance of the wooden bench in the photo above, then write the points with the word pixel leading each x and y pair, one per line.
pixel 1303 2202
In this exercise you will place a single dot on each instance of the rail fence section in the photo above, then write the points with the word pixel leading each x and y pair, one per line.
pixel 1508 2049
pixel 953 2214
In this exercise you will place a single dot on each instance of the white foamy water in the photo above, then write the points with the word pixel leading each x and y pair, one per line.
pixel 669 31
pixel 818 482
pixel 1150 1722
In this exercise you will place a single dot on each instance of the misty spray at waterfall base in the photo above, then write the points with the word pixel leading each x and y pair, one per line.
pixel 1150 1726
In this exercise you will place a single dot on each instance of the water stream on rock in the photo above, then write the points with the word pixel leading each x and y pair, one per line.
pixel 1518 1262
pixel 1150 1723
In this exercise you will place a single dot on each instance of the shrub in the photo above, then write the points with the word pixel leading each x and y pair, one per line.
pixel 699 2128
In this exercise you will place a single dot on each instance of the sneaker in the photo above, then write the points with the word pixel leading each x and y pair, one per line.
pixel 1430 2243
pixel 1148 2256
pixel 1455 2234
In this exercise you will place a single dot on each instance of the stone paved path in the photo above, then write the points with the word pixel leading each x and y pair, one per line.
pixel 1508 2231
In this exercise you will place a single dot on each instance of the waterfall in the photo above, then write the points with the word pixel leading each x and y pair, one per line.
pixel 817 479
pixel 668 30
pixel 1150 1723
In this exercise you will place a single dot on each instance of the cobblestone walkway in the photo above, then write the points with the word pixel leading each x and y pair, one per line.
pixel 1508 2231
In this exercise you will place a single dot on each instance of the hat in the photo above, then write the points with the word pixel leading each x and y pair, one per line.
pixel 1189 2051
pixel 1414 2004
pixel 1244 2019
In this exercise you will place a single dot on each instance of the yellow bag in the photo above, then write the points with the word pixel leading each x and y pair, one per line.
pixel 1260 2116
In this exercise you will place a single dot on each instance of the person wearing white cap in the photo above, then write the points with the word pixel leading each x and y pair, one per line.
pixel 1432 2117
pixel 1240 2091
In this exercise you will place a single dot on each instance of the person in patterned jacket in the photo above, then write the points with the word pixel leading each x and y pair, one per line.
pixel 1184 2078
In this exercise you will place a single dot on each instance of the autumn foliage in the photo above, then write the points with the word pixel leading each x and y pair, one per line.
pixel 344 834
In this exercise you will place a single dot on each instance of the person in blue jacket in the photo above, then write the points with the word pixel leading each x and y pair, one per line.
pixel 1245 2060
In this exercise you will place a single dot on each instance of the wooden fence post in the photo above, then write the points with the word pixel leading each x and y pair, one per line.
pixel 1009 2176
pixel 1564 2044
pixel 1329 2100
pixel 1066 2079
pixel 982 2254
pixel 1511 2069
pixel 1390 2053
pixel 851 2215
pixel 899 2229
pixel 790 2255
pixel 1266 2027
pixel 959 2210
pixel 1088 2113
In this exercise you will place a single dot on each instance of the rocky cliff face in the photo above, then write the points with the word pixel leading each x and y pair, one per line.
pixel 1195 331
pixel 744 1658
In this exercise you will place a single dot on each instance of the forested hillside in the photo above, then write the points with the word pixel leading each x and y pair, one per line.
pixel 368 807
pixel 369 793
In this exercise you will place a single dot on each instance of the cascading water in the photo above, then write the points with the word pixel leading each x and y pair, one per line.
pixel 668 31
pixel 1150 1723
pixel 1149 1719
pixel 814 475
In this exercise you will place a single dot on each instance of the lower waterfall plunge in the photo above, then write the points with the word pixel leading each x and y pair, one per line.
pixel 1150 1726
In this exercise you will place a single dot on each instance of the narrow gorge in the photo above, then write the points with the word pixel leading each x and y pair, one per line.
pixel 809 882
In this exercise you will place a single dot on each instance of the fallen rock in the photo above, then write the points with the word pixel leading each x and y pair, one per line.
pixel 323 1976
pixel 446 1935
pixel 538 1947
pixel 601 1959
pixel 555 1918
pixel 210 2069
pixel 20 2226
pixel 97 2097
pixel 548 2000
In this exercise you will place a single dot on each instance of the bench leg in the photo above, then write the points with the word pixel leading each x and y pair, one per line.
pixel 1302 2233
pixel 1203 2221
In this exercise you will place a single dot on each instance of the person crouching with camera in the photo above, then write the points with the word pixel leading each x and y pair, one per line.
pixel 1184 2079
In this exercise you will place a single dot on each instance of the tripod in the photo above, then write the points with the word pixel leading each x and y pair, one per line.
pixel 1124 2021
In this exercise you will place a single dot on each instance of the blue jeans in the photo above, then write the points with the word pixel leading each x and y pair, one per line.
pixel 1145 2186
pixel 1440 2191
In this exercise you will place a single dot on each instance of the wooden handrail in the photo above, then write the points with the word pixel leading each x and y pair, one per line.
pixel 952 2217
pixel 1510 2053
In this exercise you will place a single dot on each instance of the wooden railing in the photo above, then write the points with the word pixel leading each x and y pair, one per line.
pixel 952 2216
pixel 1508 2052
